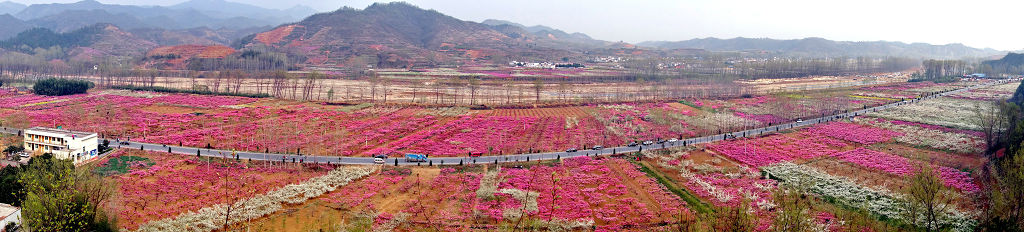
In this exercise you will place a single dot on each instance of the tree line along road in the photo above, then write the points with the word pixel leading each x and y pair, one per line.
pixel 294 158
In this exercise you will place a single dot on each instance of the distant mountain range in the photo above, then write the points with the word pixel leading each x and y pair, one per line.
pixel 551 33
pixel 818 47
pixel 9 7
pixel 381 35
pixel 403 35
pixel 216 14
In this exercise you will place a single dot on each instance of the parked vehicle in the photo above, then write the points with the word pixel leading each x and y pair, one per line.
pixel 476 154
pixel 378 160
pixel 570 150
pixel 597 148
pixel 124 142
pixel 648 142
pixel 799 120
pixel 673 140
pixel 633 144
pixel 415 158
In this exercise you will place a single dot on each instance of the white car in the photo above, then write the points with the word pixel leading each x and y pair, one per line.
pixel 378 160
pixel 673 140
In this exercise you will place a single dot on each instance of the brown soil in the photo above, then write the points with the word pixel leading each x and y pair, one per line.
pixel 702 156
pixel 395 203
pixel 683 107
pixel 860 175
pixel 537 112
pixel 958 161
pixel 165 109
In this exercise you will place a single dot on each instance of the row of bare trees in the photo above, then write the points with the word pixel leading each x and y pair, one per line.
pixel 646 80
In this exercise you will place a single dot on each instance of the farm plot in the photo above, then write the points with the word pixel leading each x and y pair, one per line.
pixel 283 126
pixel 717 181
pixel 578 193
pixel 937 137
pixel 639 122
pixel 869 157
pixel 155 186
pixel 947 112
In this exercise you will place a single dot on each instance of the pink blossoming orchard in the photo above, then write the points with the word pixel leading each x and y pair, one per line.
pixel 282 126
pixel 655 190
pixel 170 185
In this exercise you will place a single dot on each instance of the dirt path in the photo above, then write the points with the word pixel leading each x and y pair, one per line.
pixel 396 203
pixel 643 196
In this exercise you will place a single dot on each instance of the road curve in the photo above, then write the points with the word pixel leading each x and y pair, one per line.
pixel 243 155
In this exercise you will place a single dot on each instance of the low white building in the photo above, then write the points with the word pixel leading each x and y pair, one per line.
pixel 63 144
pixel 9 214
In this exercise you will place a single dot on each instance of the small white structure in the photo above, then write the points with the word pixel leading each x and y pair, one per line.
pixel 9 214
pixel 63 144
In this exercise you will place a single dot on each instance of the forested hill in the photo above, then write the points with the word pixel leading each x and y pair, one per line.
pixel 1011 59
pixel 87 43
pixel 31 39
pixel 1011 64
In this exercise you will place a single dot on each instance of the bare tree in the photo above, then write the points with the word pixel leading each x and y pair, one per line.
pixel 374 79
pixel 994 119
pixel 237 191
pixel 237 79
pixel 538 85
pixel 474 84
pixel 928 198
pixel 330 94
pixel 385 83
pixel 216 81
pixel 280 78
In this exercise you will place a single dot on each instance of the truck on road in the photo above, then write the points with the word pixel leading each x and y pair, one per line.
pixel 415 158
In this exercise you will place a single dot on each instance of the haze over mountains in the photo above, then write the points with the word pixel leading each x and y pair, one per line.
pixel 819 47
pixel 214 14
pixel 382 35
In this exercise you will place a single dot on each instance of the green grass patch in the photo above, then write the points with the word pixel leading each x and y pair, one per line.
pixel 353 108
pixel 691 201
pixel 122 164
pixel 793 96
pixel 690 104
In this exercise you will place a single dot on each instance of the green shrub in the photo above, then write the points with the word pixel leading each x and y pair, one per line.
pixel 61 87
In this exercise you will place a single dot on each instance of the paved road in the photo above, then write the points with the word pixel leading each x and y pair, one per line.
pixel 506 158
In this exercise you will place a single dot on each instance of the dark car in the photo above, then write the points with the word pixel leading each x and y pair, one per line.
pixel 597 148
pixel 633 144
pixel 570 150
pixel 124 143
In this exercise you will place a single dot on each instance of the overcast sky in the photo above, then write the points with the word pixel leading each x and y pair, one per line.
pixel 976 23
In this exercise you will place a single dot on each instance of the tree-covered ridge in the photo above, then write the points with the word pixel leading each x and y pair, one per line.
pixel 31 39
pixel 1011 59
pixel 61 87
